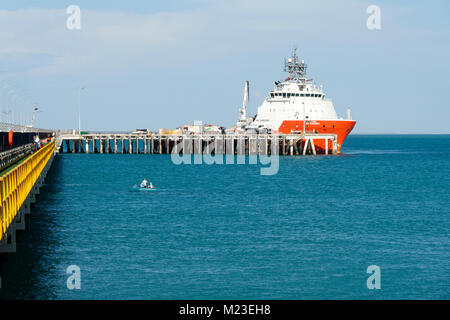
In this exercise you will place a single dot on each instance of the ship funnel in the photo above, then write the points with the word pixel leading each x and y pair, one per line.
pixel 349 116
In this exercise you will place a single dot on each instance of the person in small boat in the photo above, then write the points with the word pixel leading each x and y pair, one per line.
pixel 150 186
pixel 144 183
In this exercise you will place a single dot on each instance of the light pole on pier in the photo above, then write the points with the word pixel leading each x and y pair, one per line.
pixel 79 108
pixel 7 113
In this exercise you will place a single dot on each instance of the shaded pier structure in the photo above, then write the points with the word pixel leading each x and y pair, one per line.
pixel 243 144
pixel 19 185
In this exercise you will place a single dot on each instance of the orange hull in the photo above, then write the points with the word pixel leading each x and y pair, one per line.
pixel 339 127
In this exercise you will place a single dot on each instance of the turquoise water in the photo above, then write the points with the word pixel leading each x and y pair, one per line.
pixel 226 232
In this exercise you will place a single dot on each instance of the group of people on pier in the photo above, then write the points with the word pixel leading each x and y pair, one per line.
pixel 38 143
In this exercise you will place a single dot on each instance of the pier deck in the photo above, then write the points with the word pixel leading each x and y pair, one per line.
pixel 244 144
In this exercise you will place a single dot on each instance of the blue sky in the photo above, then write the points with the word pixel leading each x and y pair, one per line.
pixel 148 64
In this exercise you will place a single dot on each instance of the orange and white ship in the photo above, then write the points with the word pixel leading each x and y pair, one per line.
pixel 296 106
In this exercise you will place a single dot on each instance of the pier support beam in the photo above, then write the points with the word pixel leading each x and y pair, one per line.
pixel 335 146
pixel 167 145
pixel 8 242
pixel 313 147
pixel 152 145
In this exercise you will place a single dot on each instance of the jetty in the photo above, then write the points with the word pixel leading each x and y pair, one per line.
pixel 236 144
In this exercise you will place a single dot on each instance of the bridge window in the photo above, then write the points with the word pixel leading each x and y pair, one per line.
pixel 288 95
pixel 302 95
pixel 271 94
pixel 284 94
pixel 308 95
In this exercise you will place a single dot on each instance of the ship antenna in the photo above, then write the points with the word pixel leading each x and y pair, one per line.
pixel 296 70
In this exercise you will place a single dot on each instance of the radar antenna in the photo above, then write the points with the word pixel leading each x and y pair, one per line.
pixel 296 70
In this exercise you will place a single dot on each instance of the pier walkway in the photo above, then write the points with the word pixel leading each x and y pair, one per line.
pixel 237 144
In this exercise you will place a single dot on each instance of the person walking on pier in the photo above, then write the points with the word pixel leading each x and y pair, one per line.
pixel 37 142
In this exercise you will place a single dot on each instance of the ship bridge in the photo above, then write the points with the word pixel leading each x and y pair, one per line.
pixel 296 85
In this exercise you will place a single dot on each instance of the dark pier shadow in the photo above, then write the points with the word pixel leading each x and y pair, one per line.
pixel 22 272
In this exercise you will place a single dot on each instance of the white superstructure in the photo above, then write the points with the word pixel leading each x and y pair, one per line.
pixel 295 98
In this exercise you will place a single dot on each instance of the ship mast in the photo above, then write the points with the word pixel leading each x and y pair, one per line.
pixel 296 70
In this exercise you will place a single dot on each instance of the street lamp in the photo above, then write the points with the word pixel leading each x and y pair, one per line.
pixel 79 114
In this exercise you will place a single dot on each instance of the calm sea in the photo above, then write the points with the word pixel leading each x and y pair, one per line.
pixel 227 232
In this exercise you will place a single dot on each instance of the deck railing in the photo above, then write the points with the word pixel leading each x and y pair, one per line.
pixel 10 156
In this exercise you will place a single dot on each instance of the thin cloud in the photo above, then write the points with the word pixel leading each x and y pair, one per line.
pixel 112 40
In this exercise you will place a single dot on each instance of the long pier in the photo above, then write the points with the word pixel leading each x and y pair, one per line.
pixel 19 185
pixel 243 144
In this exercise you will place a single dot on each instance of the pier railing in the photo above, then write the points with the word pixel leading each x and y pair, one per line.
pixel 10 156
pixel 16 184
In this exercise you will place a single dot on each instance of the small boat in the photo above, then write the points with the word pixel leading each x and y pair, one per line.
pixel 137 188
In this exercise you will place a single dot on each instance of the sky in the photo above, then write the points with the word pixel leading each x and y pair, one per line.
pixel 162 64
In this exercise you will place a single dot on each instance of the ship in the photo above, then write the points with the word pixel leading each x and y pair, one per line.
pixel 295 106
